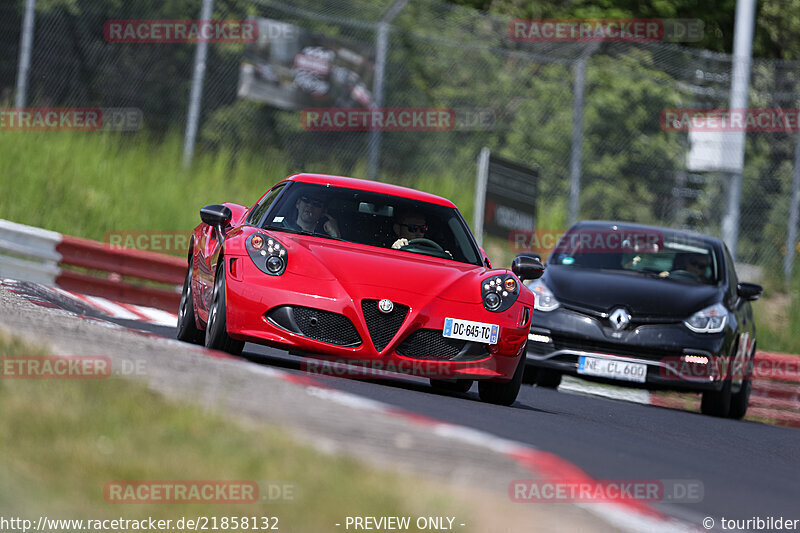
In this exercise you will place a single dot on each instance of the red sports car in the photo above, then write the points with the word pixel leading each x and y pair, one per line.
pixel 364 272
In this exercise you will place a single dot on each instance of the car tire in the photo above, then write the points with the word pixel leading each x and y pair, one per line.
pixel 504 393
pixel 452 385
pixel 530 374
pixel 718 403
pixel 187 327
pixel 740 401
pixel 548 378
pixel 217 337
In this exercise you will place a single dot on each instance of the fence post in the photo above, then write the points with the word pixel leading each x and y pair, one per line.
pixel 25 53
pixel 740 84
pixel 791 228
pixel 381 50
pixel 196 94
pixel 480 194
pixel 576 153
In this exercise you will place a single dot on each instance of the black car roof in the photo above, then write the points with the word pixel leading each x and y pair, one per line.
pixel 609 224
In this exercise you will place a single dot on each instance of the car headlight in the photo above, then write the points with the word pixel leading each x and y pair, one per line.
pixel 268 254
pixel 499 292
pixel 709 320
pixel 544 299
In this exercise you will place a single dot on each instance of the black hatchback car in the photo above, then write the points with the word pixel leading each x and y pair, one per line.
pixel 648 307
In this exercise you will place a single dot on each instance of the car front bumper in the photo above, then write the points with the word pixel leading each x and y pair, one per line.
pixel 560 338
pixel 279 311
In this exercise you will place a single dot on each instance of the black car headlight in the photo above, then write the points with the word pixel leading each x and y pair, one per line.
pixel 268 254
pixel 544 299
pixel 499 292
pixel 709 320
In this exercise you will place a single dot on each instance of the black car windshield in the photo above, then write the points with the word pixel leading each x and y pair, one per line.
pixel 659 254
pixel 373 219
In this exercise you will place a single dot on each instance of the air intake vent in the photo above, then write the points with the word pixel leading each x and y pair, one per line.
pixel 316 324
pixel 430 344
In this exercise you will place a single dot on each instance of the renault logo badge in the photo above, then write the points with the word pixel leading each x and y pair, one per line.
pixel 619 318
pixel 385 306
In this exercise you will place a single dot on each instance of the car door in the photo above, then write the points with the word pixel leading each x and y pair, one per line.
pixel 206 265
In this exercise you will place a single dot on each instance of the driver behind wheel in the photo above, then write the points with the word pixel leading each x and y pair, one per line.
pixel 694 263
pixel 408 226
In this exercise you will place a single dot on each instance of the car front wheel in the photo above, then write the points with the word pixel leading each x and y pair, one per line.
pixel 187 328
pixel 217 337
pixel 741 400
pixel 718 403
pixel 548 378
pixel 503 393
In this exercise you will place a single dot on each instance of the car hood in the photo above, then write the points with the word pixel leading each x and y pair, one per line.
pixel 354 264
pixel 644 296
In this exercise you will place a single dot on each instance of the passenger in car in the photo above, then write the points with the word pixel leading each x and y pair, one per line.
pixel 312 216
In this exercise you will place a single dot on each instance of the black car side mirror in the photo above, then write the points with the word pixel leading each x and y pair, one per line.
pixel 217 216
pixel 749 291
pixel 527 266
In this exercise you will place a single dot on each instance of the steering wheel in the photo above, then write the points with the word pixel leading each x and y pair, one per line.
pixel 683 274
pixel 425 242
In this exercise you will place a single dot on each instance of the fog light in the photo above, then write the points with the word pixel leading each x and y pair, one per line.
pixel 699 359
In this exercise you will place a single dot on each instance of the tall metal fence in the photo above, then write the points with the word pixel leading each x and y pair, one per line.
pixel 517 98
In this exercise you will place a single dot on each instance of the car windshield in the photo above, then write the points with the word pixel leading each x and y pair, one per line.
pixel 659 254
pixel 373 219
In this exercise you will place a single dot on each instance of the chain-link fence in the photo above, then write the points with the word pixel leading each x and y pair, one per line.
pixel 441 56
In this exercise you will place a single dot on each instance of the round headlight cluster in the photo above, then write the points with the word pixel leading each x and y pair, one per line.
pixel 499 292
pixel 268 254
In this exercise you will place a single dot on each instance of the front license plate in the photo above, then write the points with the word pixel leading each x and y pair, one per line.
pixel 612 368
pixel 455 328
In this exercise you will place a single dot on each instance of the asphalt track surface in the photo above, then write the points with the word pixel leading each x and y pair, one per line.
pixel 747 469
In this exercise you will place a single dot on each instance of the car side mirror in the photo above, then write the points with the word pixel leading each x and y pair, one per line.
pixel 527 266
pixel 749 291
pixel 217 216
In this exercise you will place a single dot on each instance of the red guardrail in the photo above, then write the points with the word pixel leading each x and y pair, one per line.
pixel 106 266
pixel 775 397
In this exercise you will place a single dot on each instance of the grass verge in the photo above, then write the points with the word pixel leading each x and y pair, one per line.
pixel 65 439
